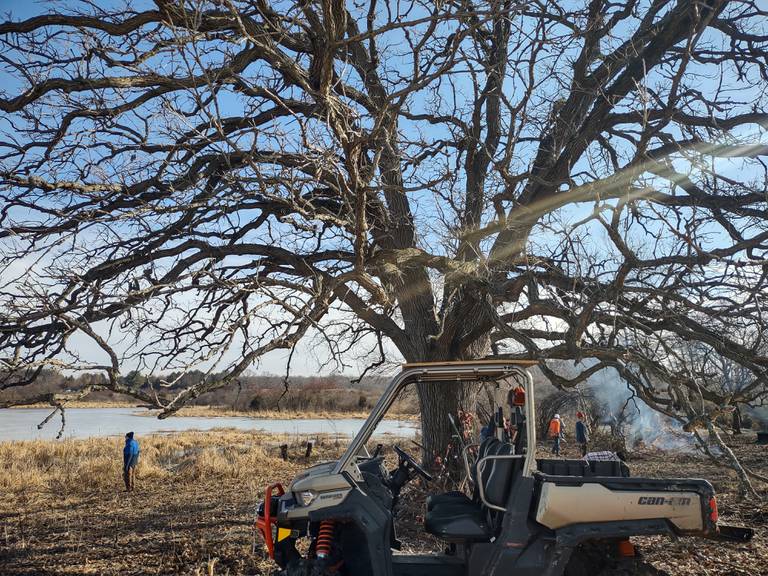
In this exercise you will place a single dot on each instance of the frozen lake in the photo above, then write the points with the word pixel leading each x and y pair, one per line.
pixel 21 424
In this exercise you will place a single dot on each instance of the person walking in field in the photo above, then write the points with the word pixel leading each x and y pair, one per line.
pixel 555 433
pixel 130 461
pixel 582 433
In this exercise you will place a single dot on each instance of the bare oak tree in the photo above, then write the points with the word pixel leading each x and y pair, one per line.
pixel 203 181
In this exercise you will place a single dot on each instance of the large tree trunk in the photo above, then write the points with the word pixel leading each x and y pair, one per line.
pixel 439 399
pixel 436 401
pixel 736 423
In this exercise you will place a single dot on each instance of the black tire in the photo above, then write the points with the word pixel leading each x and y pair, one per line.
pixel 599 559
pixel 297 567
pixel 631 567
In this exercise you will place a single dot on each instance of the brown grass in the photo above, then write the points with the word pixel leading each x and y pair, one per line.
pixel 223 411
pixel 127 403
pixel 226 411
pixel 63 512
pixel 70 466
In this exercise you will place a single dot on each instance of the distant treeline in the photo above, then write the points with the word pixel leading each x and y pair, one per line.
pixel 251 392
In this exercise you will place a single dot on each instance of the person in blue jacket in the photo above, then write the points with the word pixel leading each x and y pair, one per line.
pixel 130 460
pixel 582 433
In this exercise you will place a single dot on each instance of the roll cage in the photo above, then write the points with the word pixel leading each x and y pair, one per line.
pixel 448 372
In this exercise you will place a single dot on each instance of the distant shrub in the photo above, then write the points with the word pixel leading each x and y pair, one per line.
pixel 256 403
pixel 317 384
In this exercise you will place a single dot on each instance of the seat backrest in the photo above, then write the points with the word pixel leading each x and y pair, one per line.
pixel 521 438
pixel 499 475
pixel 488 446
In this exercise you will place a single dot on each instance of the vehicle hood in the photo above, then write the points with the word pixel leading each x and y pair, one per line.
pixel 319 478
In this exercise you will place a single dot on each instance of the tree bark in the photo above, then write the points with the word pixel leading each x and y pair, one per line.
pixel 736 424
pixel 439 399
pixel 436 401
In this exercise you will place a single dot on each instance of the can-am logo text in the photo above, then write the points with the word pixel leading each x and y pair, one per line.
pixel 660 500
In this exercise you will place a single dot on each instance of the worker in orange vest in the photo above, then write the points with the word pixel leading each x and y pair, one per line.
pixel 555 433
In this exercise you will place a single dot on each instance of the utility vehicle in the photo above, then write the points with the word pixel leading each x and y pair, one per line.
pixel 525 517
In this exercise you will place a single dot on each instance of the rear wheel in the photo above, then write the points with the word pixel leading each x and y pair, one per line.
pixel 601 559
pixel 632 567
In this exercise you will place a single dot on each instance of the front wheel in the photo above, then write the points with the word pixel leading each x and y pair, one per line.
pixel 296 567
pixel 303 567
pixel 311 567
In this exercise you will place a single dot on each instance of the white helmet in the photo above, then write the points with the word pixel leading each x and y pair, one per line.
pixel 557 416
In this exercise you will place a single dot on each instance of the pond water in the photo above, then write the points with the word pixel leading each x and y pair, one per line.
pixel 21 424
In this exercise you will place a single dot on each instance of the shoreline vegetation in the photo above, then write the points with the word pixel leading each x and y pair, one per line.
pixel 228 412
pixel 335 395
pixel 64 511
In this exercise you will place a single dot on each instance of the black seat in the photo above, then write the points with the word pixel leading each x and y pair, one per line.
pixel 502 474
pixel 459 498
pixel 455 517
pixel 459 525
pixel 447 499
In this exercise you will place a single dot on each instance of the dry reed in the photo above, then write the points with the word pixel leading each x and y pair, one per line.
pixel 95 464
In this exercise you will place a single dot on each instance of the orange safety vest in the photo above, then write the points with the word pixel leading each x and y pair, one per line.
pixel 518 398
pixel 554 428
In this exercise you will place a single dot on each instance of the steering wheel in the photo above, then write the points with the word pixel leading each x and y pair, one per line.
pixel 412 464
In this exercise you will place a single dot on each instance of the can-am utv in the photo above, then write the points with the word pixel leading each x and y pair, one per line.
pixel 526 516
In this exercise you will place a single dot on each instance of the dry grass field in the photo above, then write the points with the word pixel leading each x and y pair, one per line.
pixel 63 512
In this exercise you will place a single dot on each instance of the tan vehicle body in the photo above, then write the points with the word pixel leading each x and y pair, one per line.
pixel 561 506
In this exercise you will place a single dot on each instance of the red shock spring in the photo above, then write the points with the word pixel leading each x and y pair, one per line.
pixel 325 538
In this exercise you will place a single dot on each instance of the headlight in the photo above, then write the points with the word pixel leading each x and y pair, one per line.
pixel 306 497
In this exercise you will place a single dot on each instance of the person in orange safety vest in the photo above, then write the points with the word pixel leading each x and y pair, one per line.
pixel 555 433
